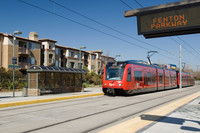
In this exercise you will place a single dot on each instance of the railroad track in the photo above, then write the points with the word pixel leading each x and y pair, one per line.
pixel 183 94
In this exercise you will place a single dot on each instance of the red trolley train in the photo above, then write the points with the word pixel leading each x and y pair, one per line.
pixel 129 77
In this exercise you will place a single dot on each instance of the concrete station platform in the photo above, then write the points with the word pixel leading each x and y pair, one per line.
pixel 180 116
pixel 7 99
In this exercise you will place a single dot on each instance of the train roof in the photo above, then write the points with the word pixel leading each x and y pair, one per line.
pixel 143 63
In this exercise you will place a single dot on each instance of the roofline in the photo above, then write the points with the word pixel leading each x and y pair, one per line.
pixel 70 48
pixel 136 12
pixel 107 56
pixel 20 38
pixel 96 51
pixel 54 69
pixel 45 39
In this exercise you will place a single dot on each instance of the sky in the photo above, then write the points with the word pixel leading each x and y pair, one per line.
pixel 97 24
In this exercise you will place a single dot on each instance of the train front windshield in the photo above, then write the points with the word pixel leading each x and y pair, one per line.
pixel 115 71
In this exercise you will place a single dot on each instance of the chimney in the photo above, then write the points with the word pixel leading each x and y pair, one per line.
pixel 33 36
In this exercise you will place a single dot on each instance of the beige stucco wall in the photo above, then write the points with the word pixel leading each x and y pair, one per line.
pixel 7 52
pixel 1 46
pixel 48 51
pixel 36 53
pixel 75 60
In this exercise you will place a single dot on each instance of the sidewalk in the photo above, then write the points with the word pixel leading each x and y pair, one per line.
pixel 7 97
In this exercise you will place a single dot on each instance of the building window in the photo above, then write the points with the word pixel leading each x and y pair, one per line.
pixel 50 47
pixel 31 60
pixel 71 64
pixel 50 56
pixel 71 54
pixel 93 57
pixel 31 46
pixel 92 67
pixel 22 44
pixel 79 55
pixel 22 59
pixel 80 65
pixel 57 63
pixel 105 59
pixel 57 51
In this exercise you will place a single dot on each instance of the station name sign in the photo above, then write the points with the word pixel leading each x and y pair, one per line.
pixel 172 22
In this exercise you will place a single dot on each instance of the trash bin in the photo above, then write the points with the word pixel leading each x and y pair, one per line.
pixel 25 92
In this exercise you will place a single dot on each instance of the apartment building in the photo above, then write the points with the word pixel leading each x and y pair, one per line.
pixel 71 57
pixel 35 51
pixel 27 51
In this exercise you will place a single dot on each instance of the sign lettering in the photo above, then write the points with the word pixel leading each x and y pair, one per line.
pixel 175 21
pixel 169 21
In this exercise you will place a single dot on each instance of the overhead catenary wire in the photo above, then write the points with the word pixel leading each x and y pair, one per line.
pixel 184 48
pixel 109 26
pixel 84 25
pixel 188 45
pixel 126 4
pixel 87 26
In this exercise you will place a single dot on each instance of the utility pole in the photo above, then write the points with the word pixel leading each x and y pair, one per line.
pixel 180 71
pixel 14 59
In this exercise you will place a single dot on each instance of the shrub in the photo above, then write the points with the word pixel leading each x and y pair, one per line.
pixel 6 79
pixel 91 79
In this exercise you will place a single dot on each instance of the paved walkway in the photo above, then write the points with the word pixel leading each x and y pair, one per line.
pixel 6 97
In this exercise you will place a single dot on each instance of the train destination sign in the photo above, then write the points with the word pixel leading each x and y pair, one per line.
pixel 168 20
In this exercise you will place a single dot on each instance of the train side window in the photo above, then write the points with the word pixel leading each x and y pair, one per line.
pixel 138 75
pixel 160 78
pixel 146 79
pixel 149 78
pixel 154 77
pixel 129 75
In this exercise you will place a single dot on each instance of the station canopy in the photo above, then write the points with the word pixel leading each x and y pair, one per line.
pixel 54 69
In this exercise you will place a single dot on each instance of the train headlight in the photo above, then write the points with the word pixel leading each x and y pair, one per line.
pixel 120 84
pixel 104 84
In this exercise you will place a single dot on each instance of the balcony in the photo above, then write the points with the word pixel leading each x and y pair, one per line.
pixel 23 51
pixel 24 65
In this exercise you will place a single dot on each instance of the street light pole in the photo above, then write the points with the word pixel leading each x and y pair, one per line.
pixel 13 62
pixel 117 56
pixel 83 47
pixel 180 66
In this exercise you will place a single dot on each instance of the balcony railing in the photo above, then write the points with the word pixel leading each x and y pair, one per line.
pixel 24 65
pixel 24 51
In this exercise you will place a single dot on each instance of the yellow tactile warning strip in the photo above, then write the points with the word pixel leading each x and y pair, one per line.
pixel 9 104
pixel 138 123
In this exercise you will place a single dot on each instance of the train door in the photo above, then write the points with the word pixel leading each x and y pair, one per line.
pixel 145 80
pixel 138 79
pixel 129 83
pixel 161 79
